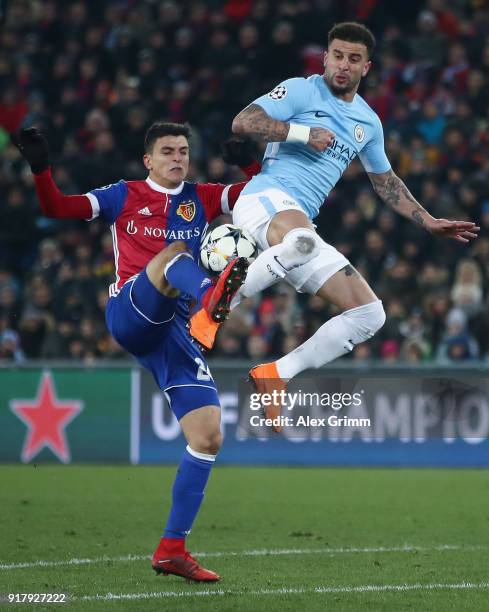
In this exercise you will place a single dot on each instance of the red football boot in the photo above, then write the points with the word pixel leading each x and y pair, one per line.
pixel 182 564
pixel 217 299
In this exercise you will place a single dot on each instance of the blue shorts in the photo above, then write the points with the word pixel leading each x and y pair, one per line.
pixel 153 328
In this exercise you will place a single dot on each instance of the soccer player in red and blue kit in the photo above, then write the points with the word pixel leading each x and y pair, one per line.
pixel 157 226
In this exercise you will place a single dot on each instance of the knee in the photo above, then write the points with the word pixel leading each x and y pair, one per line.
pixel 300 245
pixel 366 319
pixel 165 256
pixel 174 249
pixel 304 241
pixel 156 268
pixel 208 443
pixel 375 316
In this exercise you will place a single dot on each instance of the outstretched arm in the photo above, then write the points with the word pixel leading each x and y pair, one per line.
pixel 255 122
pixel 57 205
pixel 392 190
pixel 33 147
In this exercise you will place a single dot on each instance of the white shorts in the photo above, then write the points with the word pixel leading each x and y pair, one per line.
pixel 253 212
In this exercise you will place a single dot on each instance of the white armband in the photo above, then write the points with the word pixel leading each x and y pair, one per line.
pixel 298 133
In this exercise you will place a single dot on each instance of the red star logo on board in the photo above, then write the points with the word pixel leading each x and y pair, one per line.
pixel 46 418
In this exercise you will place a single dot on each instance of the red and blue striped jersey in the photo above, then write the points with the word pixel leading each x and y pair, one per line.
pixel 145 217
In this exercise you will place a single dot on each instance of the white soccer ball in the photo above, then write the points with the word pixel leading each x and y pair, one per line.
pixel 224 243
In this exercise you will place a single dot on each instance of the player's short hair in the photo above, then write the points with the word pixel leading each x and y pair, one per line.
pixel 160 129
pixel 354 32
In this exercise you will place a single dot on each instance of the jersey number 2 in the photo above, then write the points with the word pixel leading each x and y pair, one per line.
pixel 203 373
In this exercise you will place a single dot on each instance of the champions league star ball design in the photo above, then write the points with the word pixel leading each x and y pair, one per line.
pixel 224 243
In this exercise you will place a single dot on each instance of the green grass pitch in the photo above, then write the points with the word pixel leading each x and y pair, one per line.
pixel 282 538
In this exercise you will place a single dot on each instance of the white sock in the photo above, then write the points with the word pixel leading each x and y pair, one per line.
pixel 334 338
pixel 262 273
pixel 199 455
pixel 297 248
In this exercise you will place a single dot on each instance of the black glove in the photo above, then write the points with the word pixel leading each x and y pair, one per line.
pixel 33 147
pixel 236 152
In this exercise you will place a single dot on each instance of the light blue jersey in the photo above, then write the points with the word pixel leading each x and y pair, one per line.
pixel 296 168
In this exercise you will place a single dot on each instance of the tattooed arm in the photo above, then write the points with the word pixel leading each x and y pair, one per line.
pixel 255 122
pixel 392 190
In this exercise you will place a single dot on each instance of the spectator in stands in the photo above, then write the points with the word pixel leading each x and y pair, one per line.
pixel 457 344
pixel 415 351
pixel 467 292
pixel 10 347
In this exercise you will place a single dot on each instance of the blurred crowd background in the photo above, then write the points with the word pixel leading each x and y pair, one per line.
pixel 94 75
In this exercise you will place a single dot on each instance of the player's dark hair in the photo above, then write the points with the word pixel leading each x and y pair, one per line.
pixel 354 32
pixel 160 129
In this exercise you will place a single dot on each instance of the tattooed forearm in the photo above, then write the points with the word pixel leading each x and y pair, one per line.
pixel 254 121
pixel 392 190
pixel 416 216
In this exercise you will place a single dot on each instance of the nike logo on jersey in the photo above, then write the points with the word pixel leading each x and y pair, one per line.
pixel 145 211
pixel 321 114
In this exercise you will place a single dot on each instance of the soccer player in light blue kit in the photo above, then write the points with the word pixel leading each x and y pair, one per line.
pixel 315 128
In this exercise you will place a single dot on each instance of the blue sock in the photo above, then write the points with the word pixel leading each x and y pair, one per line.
pixel 188 493
pixel 183 273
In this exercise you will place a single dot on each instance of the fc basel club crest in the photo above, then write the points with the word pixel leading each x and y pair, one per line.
pixel 186 210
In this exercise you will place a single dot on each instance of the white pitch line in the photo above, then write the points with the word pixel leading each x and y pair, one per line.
pixel 249 553
pixel 74 561
pixel 319 590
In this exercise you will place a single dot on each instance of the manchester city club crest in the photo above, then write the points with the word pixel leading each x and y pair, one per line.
pixel 186 210
pixel 359 133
